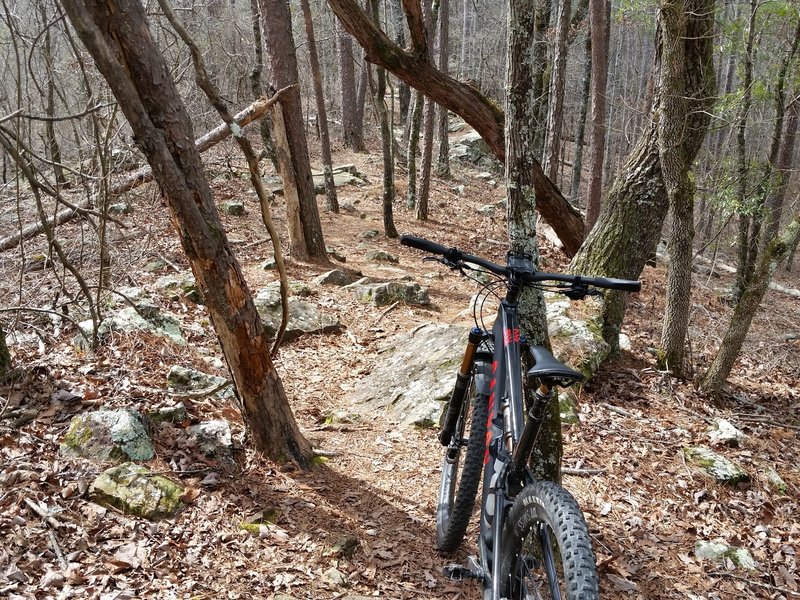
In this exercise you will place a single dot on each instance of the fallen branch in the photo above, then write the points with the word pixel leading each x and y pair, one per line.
pixel 582 472
pixel 757 583
pixel 252 113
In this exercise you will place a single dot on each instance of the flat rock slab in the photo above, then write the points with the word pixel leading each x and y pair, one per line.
pixel 716 466
pixel 145 317
pixel 383 294
pixel 135 490
pixel 415 375
pixel 304 317
pixel 108 435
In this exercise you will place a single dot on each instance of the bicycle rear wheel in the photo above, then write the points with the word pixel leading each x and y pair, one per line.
pixel 547 551
pixel 461 470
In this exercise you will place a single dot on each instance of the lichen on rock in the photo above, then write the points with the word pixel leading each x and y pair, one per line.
pixel 135 490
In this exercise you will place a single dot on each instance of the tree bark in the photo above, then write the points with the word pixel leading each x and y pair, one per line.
pixel 522 198
pixel 125 53
pixel 306 241
pixel 598 17
pixel 322 113
pixel 552 148
pixel 443 156
pixel 347 80
pixel 5 355
pixel 255 82
pixel 577 163
pixel 466 101
pixel 629 225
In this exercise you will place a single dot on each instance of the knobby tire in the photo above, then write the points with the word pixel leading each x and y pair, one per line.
pixel 458 490
pixel 547 507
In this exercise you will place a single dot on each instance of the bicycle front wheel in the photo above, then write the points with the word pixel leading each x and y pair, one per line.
pixel 461 471
pixel 547 552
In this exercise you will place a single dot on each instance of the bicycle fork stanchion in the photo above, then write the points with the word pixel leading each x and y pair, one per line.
pixel 460 389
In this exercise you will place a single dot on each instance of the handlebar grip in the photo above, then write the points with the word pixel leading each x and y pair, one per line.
pixel 424 245
pixel 625 285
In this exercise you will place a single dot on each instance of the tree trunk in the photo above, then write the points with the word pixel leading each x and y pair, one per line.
pixel 520 132
pixel 256 86
pixel 598 17
pixel 540 73
pixel 443 157
pixel 746 309
pixel 675 166
pixel 347 80
pixel 577 163
pixel 466 101
pixel 305 230
pixel 125 53
pixel 5 355
pixel 386 144
pixel 629 225
pixel 322 114
pixel 552 148
pixel 741 158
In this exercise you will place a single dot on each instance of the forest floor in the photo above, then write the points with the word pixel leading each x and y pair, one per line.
pixel 645 509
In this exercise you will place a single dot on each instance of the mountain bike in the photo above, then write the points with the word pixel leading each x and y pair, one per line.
pixel 533 540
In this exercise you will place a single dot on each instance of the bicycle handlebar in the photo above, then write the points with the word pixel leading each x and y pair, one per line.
pixel 457 256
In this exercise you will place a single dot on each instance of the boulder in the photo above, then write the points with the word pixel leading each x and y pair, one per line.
pixel 723 433
pixel 183 283
pixel 192 380
pixel 144 316
pixel 102 435
pixel 720 551
pixel 304 317
pixel 415 376
pixel 716 466
pixel 337 277
pixel 381 256
pixel 213 438
pixel 383 294
pixel 135 490
pixel 234 208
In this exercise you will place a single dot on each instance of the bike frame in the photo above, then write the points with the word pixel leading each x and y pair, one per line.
pixel 509 437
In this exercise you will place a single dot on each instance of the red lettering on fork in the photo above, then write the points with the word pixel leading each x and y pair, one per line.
pixel 511 334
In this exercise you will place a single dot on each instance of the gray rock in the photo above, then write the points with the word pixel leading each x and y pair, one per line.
pixel 135 490
pixel 146 316
pixel 337 277
pixel 102 435
pixel 415 375
pixel 717 466
pixel 169 414
pixel 723 433
pixel 776 482
pixel 191 380
pixel 214 438
pixel 304 317
pixel 719 550
pixel 369 234
pixel 336 255
pixel 155 266
pixel 487 209
pixel 471 148
pixel 381 256
pixel 234 208
pixel 336 576
pixel 383 294
pixel 120 208
pixel 180 284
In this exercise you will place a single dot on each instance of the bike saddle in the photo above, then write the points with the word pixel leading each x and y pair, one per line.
pixel 548 366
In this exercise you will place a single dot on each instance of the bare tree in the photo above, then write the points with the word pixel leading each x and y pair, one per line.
pixel 598 18
pixel 306 241
pixel 124 51
pixel 552 147
pixel 322 114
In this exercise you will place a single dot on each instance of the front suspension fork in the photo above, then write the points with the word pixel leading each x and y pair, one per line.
pixel 463 378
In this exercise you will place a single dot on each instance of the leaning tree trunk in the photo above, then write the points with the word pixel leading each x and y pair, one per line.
pixel 520 132
pixel 746 308
pixel 465 100
pixel 629 225
pixel 124 51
